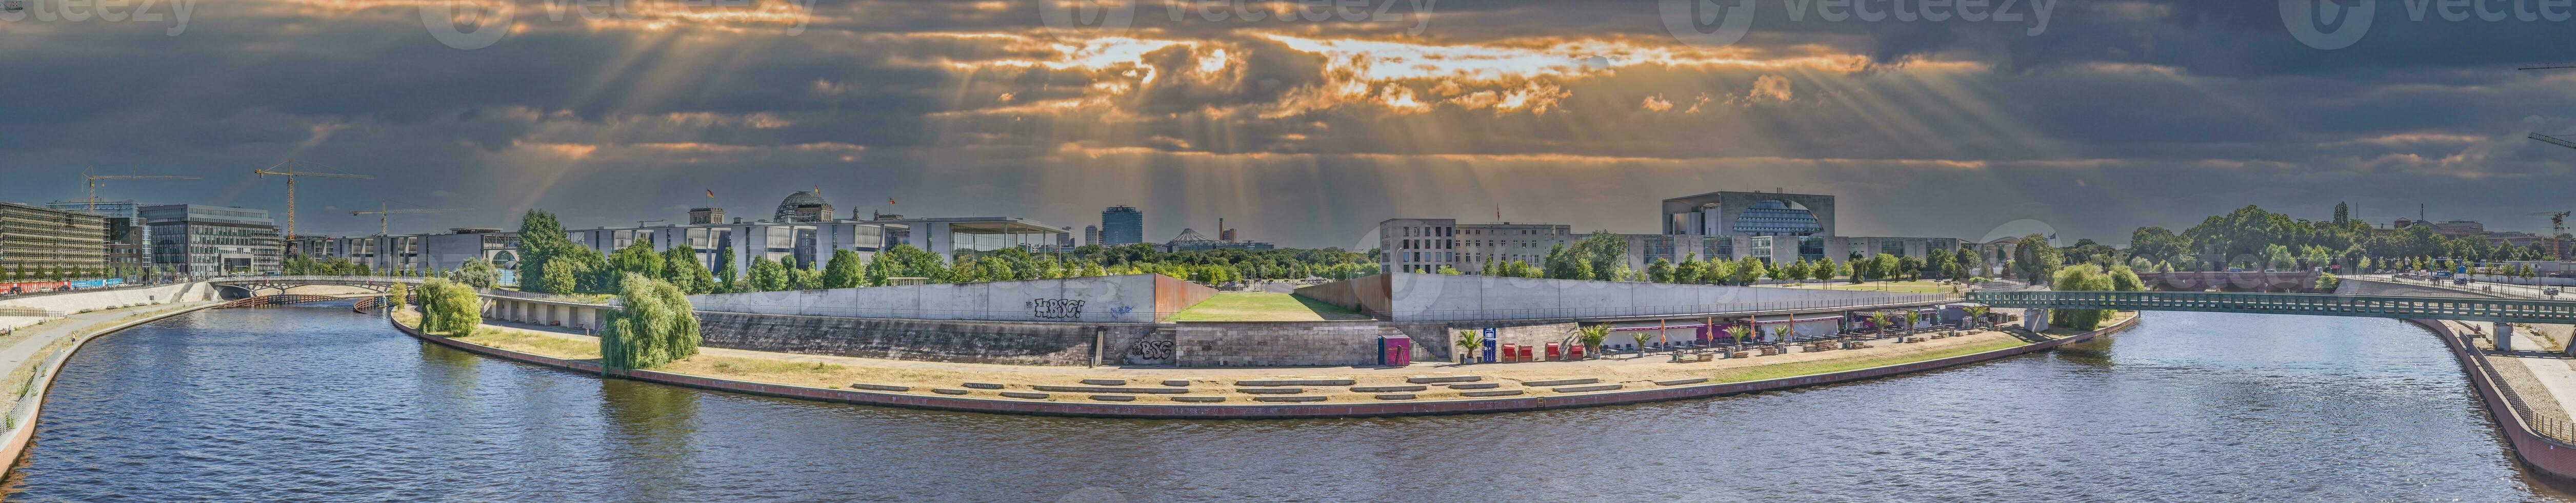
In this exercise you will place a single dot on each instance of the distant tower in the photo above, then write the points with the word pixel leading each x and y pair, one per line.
pixel 1090 235
pixel 699 216
pixel 1122 225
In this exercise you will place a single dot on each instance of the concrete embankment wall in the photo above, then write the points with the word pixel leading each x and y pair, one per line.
pixel 1264 411
pixel 924 340
pixel 1132 298
pixel 1256 344
pixel 1412 297
pixel 2547 455
pixel 21 311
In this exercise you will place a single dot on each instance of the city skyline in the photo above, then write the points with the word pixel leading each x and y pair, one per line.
pixel 2112 117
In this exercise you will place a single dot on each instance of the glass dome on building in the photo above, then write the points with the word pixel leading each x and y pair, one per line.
pixel 802 198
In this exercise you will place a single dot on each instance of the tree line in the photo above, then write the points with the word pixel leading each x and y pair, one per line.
pixel 1603 256
pixel 552 263
pixel 2251 238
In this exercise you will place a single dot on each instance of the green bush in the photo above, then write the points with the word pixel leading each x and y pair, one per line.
pixel 449 308
pixel 654 326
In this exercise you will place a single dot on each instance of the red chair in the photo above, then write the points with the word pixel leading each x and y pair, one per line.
pixel 1555 353
pixel 1527 353
pixel 1509 352
pixel 1574 352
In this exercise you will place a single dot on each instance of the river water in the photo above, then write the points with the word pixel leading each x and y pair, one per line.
pixel 315 403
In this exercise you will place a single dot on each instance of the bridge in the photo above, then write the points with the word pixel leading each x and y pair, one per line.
pixel 253 285
pixel 2370 306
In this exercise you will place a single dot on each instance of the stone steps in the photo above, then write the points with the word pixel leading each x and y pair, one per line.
pixel 1442 379
pixel 1106 389
pixel 1581 389
pixel 1024 394
pixel 1114 398
pixel 1198 399
pixel 1499 392
pixel 1387 389
pixel 1678 382
pixel 1560 382
pixel 1396 396
pixel 879 387
pixel 1309 398
pixel 1270 391
pixel 948 391
pixel 983 385
pixel 1487 385
pixel 1105 382
pixel 1296 382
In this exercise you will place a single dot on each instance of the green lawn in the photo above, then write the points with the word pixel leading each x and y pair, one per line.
pixel 1251 306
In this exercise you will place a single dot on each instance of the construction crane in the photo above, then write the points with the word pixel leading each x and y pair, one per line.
pixel 288 170
pixel 93 183
pixel 384 216
pixel 2557 227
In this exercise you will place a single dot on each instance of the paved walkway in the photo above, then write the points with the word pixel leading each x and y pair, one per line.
pixel 28 343
pixel 2538 374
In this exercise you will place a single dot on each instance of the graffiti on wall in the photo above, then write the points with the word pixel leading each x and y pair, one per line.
pixel 1055 309
pixel 1149 352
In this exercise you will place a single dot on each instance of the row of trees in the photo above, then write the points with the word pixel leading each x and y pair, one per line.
pixel 553 264
pixel 2091 278
pixel 2256 239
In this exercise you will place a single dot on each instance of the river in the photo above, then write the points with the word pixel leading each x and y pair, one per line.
pixel 315 403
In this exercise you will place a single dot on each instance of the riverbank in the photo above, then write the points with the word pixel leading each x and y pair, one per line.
pixel 1256 393
pixel 34 354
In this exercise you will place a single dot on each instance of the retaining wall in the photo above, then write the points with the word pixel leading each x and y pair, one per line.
pixel 1292 344
pixel 925 340
pixel 55 305
pixel 1416 297
pixel 2544 454
pixel 1132 298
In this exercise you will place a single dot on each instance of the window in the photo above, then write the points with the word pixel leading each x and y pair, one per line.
pixel 1773 217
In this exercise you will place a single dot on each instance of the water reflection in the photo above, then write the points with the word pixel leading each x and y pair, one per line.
pixel 317 404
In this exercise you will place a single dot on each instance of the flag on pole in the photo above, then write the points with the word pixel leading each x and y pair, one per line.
pixel 711 193
pixel 889 201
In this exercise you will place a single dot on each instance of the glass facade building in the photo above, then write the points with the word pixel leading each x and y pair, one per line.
pixel 200 240
pixel 1122 225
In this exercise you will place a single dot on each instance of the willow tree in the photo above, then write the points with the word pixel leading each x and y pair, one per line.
pixel 449 308
pixel 653 327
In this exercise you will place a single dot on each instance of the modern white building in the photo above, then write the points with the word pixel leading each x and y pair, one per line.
pixel 1772 227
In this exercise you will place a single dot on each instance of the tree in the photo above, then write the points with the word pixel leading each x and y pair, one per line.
pixel 2038 260
pixel 2125 279
pixel 541 241
pixel 651 327
pixel 400 294
pixel 1909 267
pixel 767 276
pixel 637 258
pixel 1450 271
pixel 2327 282
pixel 1878 323
pixel 1591 337
pixel 1688 271
pixel 1641 337
pixel 1977 315
pixel 724 273
pixel 1606 253
pixel 476 273
pixel 2080 278
pixel 1661 271
pixel 1748 268
pixel 680 267
pixel 1742 333
pixel 1471 343
pixel 844 270
pixel 449 308
pixel 1912 319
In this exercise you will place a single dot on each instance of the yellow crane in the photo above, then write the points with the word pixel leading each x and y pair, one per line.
pixel 288 170
pixel 384 214
pixel 2557 226
pixel 93 183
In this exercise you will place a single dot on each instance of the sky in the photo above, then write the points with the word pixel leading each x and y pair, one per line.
pixel 1300 123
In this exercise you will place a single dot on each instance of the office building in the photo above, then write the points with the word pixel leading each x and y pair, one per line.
pixel 38 239
pixel 1192 240
pixel 703 216
pixel 417 252
pixel 201 240
pixel 129 242
pixel 1122 225
pixel 1773 227
pixel 1090 235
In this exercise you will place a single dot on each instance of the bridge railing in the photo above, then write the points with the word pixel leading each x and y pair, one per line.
pixel 1682 311
pixel 318 278
pixel 2453 308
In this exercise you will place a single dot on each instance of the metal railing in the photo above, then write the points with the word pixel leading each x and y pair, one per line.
pixel 1014 313
pixel 2555 428
pixel 1680 311
pixel 2375 306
